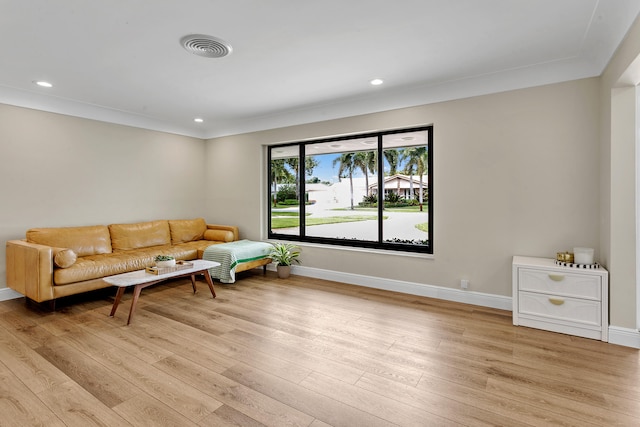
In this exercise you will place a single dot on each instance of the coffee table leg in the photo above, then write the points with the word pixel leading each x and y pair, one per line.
pixel 193 282
pixel 134 301
pixel 207 277
pixel 116 302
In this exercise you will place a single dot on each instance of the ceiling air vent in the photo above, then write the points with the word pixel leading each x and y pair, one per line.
pixel 206 46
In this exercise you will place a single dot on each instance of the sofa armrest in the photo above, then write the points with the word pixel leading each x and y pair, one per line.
pixel 232 228
pixel 30 269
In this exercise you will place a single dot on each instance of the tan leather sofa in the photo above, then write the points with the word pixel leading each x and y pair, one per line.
pixel 55 262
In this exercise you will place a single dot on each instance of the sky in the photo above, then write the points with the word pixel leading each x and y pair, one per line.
pixel 326 171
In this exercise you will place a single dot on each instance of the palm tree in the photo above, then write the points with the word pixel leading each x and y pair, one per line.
pixel 416 157
pixel 365 161
pixel 372 164
pixel 279 173
pixel 392 157
pixel 348 166
pixel 310 163
pixel 409 171
pixel 294 164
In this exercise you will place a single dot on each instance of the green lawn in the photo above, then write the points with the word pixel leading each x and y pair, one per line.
pixel 288 222
pixel 288 213
pixel 423 227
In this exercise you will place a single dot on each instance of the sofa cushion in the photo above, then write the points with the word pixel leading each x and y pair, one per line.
pixel 64 258
pixel 187 230
pixel 125 237
pixel 198 246
pixel 97 266
pixel 219 235
pixel 84 241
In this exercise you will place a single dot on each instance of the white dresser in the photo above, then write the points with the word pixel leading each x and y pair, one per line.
pixel 569 300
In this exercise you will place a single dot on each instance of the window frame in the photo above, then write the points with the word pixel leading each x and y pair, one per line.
pixel 366 244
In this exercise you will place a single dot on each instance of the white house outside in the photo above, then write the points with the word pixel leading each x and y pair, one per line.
pixel 403 185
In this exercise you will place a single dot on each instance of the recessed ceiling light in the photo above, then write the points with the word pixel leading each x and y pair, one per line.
pixel 376 82
pixel 198 120
pixel 42 83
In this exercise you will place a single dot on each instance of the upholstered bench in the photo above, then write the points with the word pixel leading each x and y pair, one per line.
pixel 235 257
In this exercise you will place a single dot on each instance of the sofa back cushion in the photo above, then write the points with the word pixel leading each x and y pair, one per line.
pixel 125 237
pixel 187 230
pixel 83 241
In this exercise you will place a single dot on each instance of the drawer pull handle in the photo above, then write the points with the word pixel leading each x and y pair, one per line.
pixel 556 301
pixel 556 277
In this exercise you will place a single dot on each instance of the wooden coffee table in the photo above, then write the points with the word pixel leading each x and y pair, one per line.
pixel 142 279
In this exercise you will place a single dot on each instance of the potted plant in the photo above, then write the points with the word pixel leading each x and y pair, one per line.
pixel 284 254
pixel 163 261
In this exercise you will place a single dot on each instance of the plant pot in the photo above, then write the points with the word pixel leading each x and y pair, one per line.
pixel 283 271
pixel 165 264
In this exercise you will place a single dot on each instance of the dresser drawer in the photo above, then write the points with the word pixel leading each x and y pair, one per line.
pixel 560 283
pixel 574 310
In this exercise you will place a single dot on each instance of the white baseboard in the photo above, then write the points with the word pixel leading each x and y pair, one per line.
pixel 7 294
pixel 624 336
pixel 449 294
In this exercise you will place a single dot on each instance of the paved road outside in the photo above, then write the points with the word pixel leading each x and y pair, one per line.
pixel 399 225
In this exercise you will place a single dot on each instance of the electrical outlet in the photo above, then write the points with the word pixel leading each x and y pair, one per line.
pixel 464 283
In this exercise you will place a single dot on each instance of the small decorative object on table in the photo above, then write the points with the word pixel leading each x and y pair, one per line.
pixel 163 261
pixel 564 257
pixel 580 258
pixel 583 255
pixel 179 265
pixel 283 254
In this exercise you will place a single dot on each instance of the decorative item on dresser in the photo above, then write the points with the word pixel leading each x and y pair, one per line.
pixel 560 298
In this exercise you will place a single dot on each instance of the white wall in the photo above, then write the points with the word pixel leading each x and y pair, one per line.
pixel 58 170
pixel 514 173
pixel 618 212
pixel 234 179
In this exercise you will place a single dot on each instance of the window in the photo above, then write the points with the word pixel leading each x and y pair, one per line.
pixel 373 190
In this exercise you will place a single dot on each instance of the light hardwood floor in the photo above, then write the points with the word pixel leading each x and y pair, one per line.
pixel 301 352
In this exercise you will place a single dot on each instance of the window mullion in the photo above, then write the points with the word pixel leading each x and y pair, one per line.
pixel 302 206
pixel 380 165
pixel 269 184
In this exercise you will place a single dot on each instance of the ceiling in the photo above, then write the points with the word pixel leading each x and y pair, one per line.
pixel 293 61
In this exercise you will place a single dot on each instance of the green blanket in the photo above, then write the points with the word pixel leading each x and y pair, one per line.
pixel 229 255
